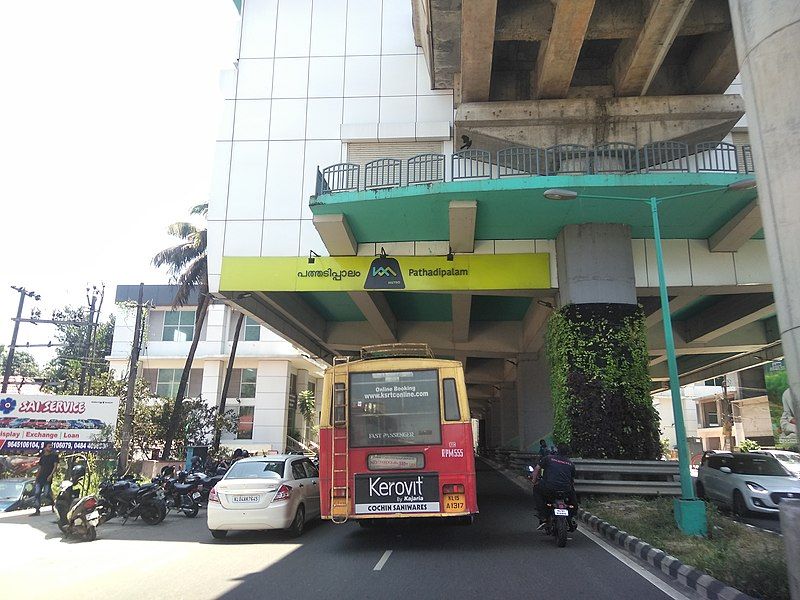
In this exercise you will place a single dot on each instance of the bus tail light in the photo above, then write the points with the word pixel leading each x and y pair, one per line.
pixel 283 493
pixel 453 488
pixel 340 493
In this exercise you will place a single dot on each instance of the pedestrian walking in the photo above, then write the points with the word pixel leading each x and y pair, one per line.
pixel 44 476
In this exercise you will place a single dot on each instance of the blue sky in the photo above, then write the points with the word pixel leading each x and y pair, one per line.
pixel 109 117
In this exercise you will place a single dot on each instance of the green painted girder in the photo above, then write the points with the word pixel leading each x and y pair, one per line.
pixel 514 207
pixel 238 4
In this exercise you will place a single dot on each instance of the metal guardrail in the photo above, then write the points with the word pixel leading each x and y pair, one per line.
pixel 522 161
pixel 601 476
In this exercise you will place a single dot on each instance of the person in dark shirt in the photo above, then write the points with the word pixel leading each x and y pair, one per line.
pixel 44 476
pixel 554 473
pixel 542 449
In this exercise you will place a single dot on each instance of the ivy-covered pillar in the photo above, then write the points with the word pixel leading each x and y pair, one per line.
pixel 597 348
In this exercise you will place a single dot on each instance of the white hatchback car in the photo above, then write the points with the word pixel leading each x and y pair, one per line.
pixel 265 492
pixel 790 460
pixel 746 482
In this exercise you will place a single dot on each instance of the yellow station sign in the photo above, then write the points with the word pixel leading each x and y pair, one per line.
pixel 387 273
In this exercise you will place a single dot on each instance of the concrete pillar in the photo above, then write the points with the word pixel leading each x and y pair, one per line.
pixel 752 382
pixel 595 264
pixel 790 526
pixel 509 432
pixel 766 35
pixel 534 400
pixel 213 376
pixel 496 414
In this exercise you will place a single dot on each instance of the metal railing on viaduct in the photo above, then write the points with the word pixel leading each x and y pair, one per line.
pixel 562 159
pixel 602 476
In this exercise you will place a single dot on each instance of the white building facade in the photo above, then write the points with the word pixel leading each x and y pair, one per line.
pixel 317 83
pixel 268 372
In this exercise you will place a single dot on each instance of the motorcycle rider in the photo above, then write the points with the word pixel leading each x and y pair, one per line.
pixel 554 473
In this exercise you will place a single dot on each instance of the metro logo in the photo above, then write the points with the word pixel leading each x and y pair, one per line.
pixel 383 272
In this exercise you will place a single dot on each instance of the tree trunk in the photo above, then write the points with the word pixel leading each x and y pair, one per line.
pixel 227 382
pixel 187 367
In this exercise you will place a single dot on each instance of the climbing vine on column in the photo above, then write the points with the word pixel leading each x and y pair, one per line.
pixel 601 384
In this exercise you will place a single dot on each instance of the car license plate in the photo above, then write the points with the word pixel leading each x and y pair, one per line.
pixel 244 499
pixel 196 495
pixel 454 503
pixel 561 512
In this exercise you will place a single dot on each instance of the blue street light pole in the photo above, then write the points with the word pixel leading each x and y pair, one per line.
pixel 690 514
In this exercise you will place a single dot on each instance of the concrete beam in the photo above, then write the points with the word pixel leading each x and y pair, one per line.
pixel 712 67
pixel 376 309
pixel 477 45
pixel 534 325
pixel 462 307
pixel 277 321
pixel 558 55
pixel 591 121
pixel 611 20
pixel 335 233
pixel 498 339
pixel 676 304
pixel 726 316
pixel 716 367
pixel 638 60
pixel 296 310
pixel 463 214
pixel 732 236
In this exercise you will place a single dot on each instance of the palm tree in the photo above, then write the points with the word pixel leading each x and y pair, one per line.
pixel 187 264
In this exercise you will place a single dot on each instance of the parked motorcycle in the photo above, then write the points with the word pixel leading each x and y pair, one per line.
pixel 559 516
pixel 78 515
pixel 129 499
pixel 203 481
pixel 184 497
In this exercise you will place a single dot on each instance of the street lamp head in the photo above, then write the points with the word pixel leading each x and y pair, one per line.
pixel 742 184
pixel 560 194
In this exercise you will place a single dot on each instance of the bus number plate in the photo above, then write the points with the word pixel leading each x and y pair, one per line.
pixel 454 503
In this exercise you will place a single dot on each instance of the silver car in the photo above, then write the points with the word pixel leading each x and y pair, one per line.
pixel 790 460
pixel 746 482
pixel 265 492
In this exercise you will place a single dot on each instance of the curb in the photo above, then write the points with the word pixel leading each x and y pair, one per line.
pixel 703 584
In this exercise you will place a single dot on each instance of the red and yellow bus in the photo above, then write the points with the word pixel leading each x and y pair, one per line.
pixel 396 437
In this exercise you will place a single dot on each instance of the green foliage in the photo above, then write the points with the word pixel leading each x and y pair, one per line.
pixel 24 365
pixel 600 381
pixel 746 558
pixel 307 406
pixel 63 373
pixel 749 446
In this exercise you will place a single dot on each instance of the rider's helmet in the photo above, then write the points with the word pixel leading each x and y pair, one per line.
pixel 77 472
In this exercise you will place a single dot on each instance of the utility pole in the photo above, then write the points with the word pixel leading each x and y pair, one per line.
pixel 23 293
pixel 127 423
pixel 94 333
pixel 88 343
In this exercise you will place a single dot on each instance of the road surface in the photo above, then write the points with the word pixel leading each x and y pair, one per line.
pixel 499 556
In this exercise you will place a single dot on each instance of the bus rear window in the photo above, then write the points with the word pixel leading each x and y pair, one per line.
pixel 394 409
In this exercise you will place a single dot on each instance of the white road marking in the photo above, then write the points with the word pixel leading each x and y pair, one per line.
pixel 382 561
pixel 661 585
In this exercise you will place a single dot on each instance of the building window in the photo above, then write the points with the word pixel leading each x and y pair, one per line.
pixel 178 326
pixel 247 388
pixel 244 429
pixel 252 330
pixel 292 391
pixel 167 382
